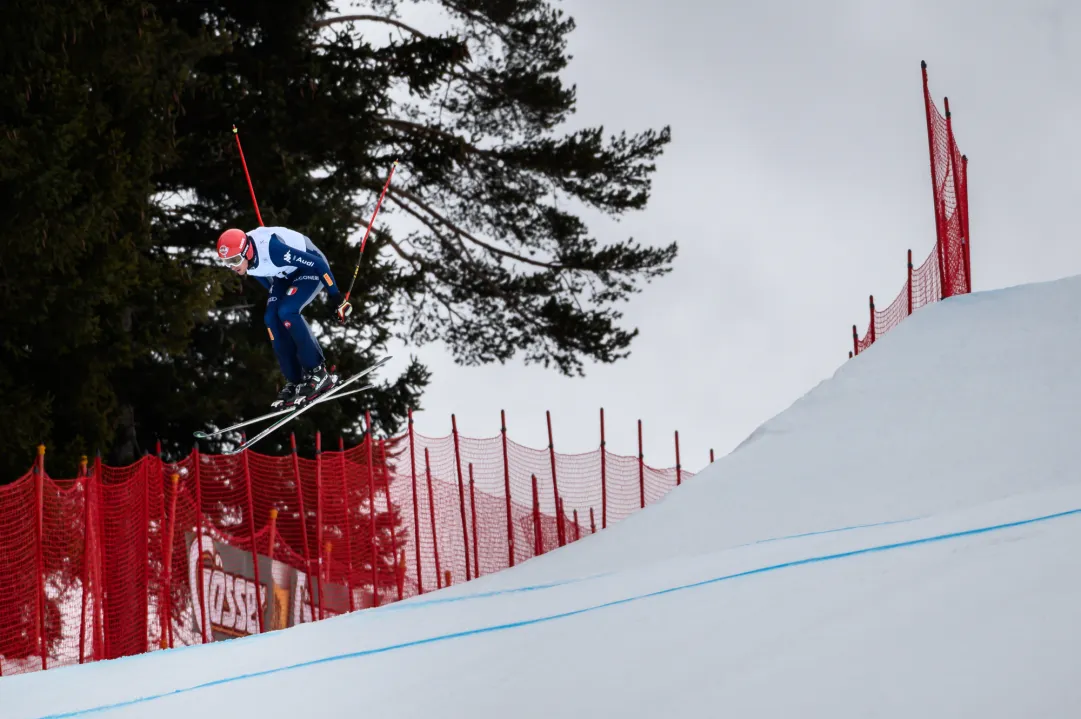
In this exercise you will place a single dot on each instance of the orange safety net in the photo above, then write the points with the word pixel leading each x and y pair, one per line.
pixel 947 270
pixel 126 560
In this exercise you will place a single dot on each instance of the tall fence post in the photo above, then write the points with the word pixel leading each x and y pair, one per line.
pixel 251 532
pixel 555 485
pixel 431 516
pixel 934 172
pixel 146 546
pixel 641 468
pixel 538 539
pixel 711 455
pixel 604 476
pixel 204 615
pixel 960 195
pixel 910 288
pixel 39 526
pixel 348 530
pixel 101 637
pixel 577 527
pixel 166 612
pixel 272 529
pixel 416 504
pixel 88 553
pixel 871 331
pixel 303 522
pixel 855 341
pixel 321 558
pixel 473 513
pixel 679 467
pixel 964 222
pixel 506 488
pixel 385 464
pixel 592 523
pixel 461 494
pixel 371 509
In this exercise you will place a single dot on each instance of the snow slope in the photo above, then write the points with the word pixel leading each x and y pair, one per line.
pixel 900 542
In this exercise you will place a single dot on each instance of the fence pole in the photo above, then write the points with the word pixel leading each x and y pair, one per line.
pixel 371 508
pixel 679 467
pixel 592 524
pixel 431 516
pixel 251 531
pixel 939 227
pixel 167 603
pixel 964 222
pixel 321 560
pixel 416 506
pixel 506 488
pixel 910 282
pixel 146 544
pixel 873 333
pixel 538 541
pixel 39 527
pixel 398 576
pixel 855 341
pixel 101 649
pixel 604 476
pixel 711 455
pixel 561 531
pixel 348 530
pixel 641 468
pixel 555 485
pixel 473 512
pixel 87 554
pixel 960 182
pixel 303 523
pixel 272 525
pixel 461 494
pixel 577 527
pixel 204 615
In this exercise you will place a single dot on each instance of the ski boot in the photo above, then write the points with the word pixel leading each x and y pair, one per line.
pixel 316 382
pixel 286 397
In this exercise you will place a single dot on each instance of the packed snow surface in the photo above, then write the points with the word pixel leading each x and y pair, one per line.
pixel 902 541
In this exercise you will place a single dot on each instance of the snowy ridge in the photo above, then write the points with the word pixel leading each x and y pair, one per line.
pixel 899 542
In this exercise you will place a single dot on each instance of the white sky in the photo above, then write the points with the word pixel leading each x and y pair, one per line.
pixel 797 178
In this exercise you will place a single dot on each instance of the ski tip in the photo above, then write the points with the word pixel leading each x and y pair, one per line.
pixel 201 435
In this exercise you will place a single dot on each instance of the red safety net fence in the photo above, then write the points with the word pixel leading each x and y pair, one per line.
pixel 126 560
pixel 947 270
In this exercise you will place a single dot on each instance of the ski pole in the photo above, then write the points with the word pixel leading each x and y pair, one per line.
pixel 370 223
pixel 243 162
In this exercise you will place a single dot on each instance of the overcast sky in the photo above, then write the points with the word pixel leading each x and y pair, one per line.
pixel 797 178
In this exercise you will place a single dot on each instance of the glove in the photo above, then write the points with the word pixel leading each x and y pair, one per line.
pixel 342 311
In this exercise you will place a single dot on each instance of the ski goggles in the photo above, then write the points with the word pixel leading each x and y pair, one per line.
pixel 236 259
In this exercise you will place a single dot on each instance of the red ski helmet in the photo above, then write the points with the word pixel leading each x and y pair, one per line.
pixel 234 246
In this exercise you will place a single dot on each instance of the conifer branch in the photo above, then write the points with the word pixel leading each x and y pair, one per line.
pixel 394 192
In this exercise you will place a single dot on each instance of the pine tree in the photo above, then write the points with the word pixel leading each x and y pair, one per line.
pixel 90 301
pixel 491 261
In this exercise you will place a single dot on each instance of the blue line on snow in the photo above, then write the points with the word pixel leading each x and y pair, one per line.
pixel 401 607
pixel 563 615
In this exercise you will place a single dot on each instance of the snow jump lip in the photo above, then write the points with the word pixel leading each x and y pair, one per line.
pixel 941 537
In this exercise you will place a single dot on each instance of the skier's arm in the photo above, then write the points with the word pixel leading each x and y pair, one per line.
pixel 278 251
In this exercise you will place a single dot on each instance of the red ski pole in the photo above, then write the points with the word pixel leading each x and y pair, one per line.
pixel 356 269
pixel 245 164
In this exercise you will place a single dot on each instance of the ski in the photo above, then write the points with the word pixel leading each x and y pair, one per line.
pixel 271 415
pixel 297 411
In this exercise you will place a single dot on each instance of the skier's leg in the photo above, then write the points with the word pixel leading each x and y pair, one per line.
pixel 301 292
pixel 280 338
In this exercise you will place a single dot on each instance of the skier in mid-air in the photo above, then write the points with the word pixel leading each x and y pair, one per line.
pixel 294 270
